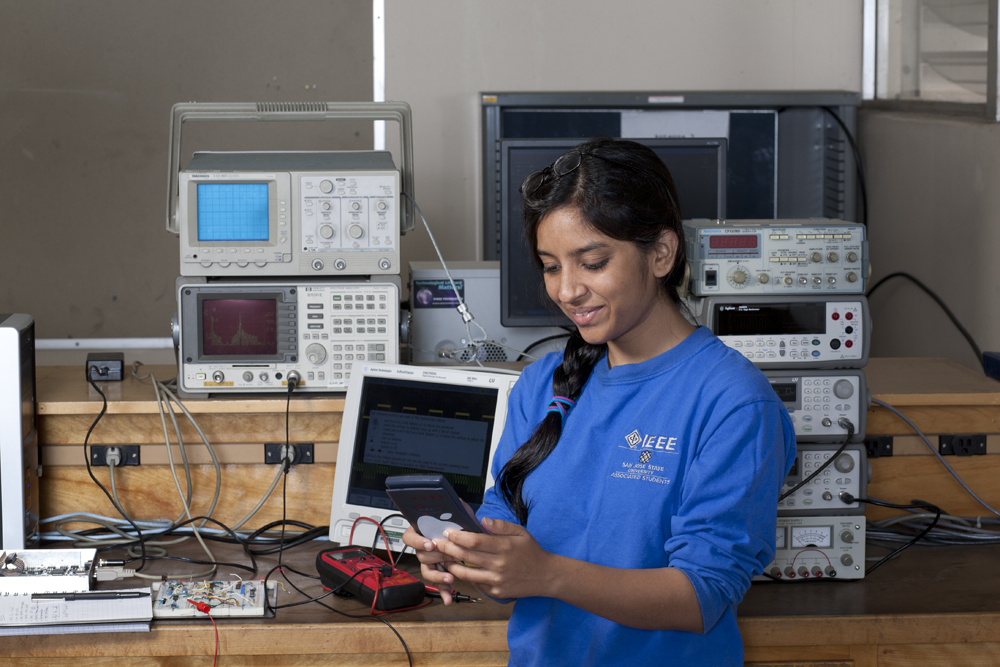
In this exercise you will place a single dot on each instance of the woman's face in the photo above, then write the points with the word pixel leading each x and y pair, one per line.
pixel 608 288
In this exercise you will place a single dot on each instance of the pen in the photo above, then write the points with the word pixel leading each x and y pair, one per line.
pixel 95 595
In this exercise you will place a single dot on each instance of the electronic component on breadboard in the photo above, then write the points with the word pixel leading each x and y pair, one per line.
pixel 46 570
pixel 179 599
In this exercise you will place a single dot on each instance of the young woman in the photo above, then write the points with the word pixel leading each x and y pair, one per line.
pixel 638 474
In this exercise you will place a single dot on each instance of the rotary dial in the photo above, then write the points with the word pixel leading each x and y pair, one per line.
pixel 740 277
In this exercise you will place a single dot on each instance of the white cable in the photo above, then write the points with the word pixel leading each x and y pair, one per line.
pixel 160 401
pixel 936 453
pixel 267 495
pixel 166 436
pixel 184 500
pixel 901 518
pixel 211 450
pixel 462 308
pixel 110 537
pixel 158 386
pixel 151 523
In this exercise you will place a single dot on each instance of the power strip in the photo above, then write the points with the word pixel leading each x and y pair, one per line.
pixel 173 599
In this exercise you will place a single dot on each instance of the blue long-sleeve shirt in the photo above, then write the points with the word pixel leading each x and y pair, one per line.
pixel 673 462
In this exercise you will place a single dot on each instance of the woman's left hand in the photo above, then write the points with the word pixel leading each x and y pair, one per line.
pixel 509 561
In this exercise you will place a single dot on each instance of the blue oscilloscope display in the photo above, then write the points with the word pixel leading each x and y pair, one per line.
pixel 232 212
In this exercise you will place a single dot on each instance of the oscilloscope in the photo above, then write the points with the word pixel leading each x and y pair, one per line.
pixel 309 213
pixel 249 336
pixel 305 213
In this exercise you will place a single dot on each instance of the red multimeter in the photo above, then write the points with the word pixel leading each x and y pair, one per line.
pixel 365 576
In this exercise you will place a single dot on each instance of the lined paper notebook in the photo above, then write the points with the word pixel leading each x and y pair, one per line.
pixel 19 610
pixel 78 629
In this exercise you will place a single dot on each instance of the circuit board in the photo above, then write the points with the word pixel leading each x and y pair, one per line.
pixel 173 599
pixel 46 571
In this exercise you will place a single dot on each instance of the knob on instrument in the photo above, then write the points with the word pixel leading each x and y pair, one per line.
pixel 843 389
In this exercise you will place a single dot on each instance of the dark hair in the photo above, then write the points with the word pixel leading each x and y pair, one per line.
pixel 623 190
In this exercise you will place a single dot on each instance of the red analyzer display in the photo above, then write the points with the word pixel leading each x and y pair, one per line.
pixel 239 327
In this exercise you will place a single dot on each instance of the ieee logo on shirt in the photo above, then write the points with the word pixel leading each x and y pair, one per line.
pixel 645 469
pixel 636 440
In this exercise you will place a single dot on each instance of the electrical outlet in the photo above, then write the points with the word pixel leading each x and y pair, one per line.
pixel 877 446
pixel 128 455
pixel 962 445
pixel 302 452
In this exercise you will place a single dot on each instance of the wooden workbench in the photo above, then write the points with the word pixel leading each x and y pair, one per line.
pixel 930 606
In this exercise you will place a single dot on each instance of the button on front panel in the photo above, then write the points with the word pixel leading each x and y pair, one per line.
pixel 351 225
pixel 822 492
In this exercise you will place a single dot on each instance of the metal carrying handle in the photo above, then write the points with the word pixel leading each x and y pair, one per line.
pixel 289 111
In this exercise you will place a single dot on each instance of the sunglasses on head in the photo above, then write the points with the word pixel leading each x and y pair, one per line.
pixel 567 163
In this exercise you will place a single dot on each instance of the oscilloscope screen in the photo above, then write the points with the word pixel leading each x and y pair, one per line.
pixel 239 327
pixel 412 427
pixel 233 211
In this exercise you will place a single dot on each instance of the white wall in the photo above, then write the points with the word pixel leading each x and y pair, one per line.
pixel 934 205
pixel 441 54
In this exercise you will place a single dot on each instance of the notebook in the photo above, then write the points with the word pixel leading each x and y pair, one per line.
pixel 19 610
pixel 78 629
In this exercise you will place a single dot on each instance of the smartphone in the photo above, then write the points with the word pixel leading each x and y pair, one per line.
pixel 430 504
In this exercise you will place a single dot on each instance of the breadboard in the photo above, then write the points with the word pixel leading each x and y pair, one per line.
pixel 226 598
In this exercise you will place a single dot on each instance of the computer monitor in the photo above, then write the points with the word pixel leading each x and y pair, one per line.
pixel 698 167
pixel 401 420
pixel 787 155
pixel 19 452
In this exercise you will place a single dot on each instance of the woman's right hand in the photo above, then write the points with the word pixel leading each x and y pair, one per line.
pixel 432 563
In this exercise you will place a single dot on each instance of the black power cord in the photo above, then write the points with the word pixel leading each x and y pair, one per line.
pixel 847 499
pixel 293 380
pixel 540 342
pixel 862 184
pixel 914 504
pixel 286 461
pixel 857 163
pixel 378 533
pixel 947 311
pixel 319 601
pixel 86 458
pixel 844 423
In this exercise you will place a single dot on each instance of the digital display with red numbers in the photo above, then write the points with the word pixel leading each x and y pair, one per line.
pixel 732 241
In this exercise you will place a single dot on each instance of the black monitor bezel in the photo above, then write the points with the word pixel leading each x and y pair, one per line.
pixel 556 318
